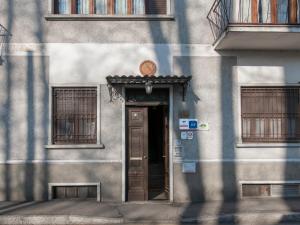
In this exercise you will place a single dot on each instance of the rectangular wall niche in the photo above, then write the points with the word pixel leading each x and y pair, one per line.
pixel 271 190
pixel 74 191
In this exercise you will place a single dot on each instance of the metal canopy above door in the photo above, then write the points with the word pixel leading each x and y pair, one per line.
pixel 117 80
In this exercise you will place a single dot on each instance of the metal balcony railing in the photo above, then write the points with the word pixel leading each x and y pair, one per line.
pixel 255 12
pixel 218 17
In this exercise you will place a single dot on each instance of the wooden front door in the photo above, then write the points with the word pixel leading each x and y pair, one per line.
pixel 137 154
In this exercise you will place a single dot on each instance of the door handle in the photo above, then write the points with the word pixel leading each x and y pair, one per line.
pixel 145 157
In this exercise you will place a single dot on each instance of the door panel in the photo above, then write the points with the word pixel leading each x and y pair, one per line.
pixel 137 154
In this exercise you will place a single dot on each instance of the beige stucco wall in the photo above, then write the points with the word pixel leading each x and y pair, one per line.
pixel 213 96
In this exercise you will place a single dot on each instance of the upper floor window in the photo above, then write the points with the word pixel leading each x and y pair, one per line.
pixel 110 7
pixel 269 11
pixel 271 114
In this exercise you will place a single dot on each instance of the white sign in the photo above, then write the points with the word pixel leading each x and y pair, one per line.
pixel 188 124
pixel 204 126
pixel 183 124
pixel 184 135
pixel 178 151
pixel 177 142
pixel 190 135
pixel 189 167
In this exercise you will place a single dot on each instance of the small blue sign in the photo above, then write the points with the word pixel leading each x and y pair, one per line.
pixel 193 124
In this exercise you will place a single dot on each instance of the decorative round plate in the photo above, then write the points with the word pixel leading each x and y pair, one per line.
pixel 148 68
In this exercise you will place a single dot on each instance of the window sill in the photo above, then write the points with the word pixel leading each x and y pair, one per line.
pixel 92 146
pixel 55 17
pixel 268 145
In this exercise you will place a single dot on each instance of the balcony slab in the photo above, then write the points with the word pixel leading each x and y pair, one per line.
pixel 259 37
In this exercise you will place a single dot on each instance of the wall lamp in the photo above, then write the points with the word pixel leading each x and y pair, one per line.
pixel 148 87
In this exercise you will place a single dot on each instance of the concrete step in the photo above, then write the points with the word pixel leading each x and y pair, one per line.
pixel 234 219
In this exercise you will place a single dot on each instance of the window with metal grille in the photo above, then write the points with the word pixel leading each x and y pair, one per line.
pixel 270 114
pixel 74 115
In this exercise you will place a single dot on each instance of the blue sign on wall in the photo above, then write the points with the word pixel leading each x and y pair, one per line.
pixel 193 124
pixel 188 124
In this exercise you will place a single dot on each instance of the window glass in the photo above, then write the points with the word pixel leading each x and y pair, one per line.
pixel 84 6
pixel 264 11
pixel 245 11
pixel 120 7
pixel 282 11
pixel 101 7
pixel 63 6
pixel 138 7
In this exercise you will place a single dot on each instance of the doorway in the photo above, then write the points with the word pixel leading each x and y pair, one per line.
pixel 158 163
pixel 147 147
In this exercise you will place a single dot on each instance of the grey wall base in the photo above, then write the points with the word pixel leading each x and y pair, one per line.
pixel 21 182
pixel 222 181
pixel 212 180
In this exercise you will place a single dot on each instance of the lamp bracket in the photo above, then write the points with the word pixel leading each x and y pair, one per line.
pixel 184 91
pixel 114 95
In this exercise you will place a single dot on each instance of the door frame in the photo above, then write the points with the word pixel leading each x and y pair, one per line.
pixel 171 178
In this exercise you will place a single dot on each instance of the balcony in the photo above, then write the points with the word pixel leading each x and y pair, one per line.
pixel 255 24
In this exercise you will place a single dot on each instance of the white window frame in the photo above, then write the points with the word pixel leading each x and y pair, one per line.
pixel 238 117
pixel 99 144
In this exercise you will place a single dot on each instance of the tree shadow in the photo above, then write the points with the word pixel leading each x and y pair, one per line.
pixel 228 158
pixel 35 175
pixel 44 78
pixel 6 108
pixel 194 184
pixel 30 148
pixel 291 165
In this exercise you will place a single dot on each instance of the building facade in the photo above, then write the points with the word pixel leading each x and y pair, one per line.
pixel 137 100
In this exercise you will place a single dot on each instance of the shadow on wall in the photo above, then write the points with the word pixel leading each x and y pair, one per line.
pixel 6 107
pixel 195 183
pixel 31 178
pixel 291 167
pixel 226 131
pixel 282 66
pixel 30 149
pixel 44 79
pixel 228 164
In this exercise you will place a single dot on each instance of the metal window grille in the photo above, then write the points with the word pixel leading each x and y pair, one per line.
pixel 270 114
pixel 74 116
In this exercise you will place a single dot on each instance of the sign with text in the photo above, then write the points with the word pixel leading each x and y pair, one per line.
pixel 188 124
pixel 203 126
pixel 183 135
pixel 190 135
pixel 189 167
